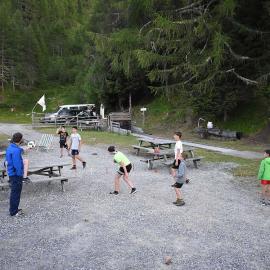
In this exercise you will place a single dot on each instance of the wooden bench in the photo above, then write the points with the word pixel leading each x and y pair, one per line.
pixel 195 161
pixel 63 180
pixel 138 148
pixel 4 185
pixel 150 161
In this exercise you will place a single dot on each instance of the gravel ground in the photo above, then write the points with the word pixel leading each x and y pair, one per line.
pixel 222 225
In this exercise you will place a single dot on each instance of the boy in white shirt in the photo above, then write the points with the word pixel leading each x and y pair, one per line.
pixel 75 147
pixel 178 150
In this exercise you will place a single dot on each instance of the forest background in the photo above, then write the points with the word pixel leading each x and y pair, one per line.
pixel 182 59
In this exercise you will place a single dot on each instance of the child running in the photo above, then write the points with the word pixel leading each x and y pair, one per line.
pixel 264 177
pixel 178 150
pixel 63 136
pixel 124 170
pixel 180 179
pixel 75 147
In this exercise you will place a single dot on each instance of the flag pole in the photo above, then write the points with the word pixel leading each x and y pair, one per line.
pixel 34 107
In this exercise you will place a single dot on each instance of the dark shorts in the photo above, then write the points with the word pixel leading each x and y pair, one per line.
pixel 63 145
pixel 121 169
pixel 178 185
pixel 176 166
pixel 74 152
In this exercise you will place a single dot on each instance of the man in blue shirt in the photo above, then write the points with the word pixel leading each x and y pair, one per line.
pixel 15 171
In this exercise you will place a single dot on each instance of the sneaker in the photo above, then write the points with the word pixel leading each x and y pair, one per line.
pixel 174 185
pixel 20 213
pixel 61 156
pixel 133 191
pixel 114 192
pixel 73 168
pixel 84 164
pixel 177 200
pixel 26 180
pixel 187 181
pixel 265 203
pixel 180 203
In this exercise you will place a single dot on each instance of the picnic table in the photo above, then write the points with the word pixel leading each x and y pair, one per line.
pixel 50 171
pixel 159 149
pixel 150 142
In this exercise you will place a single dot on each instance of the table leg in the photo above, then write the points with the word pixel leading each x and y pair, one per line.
pixel 150 165
pixel 62 185
pixel 51 172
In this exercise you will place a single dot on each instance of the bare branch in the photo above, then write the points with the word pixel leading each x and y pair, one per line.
pixel 245 80
pixel 144 26
pixel 189 6
pixel 190 79
pixel 246 28
pixel 235 55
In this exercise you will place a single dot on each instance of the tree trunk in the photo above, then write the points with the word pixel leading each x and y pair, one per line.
pixel 13 83
pixel 2 68
pixel 225 116
pixel 130 102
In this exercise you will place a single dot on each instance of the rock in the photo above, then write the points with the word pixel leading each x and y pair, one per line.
pixel 168 260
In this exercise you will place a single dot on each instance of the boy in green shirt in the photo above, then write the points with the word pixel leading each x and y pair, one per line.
pixel 124 169
pixel 264 177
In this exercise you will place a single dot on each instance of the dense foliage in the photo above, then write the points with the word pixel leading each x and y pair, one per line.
pixel 211 54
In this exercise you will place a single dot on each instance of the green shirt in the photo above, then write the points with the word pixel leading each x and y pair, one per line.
pixel 119 158
pixel 264 171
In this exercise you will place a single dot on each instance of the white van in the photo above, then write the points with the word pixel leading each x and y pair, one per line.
pixel 69 111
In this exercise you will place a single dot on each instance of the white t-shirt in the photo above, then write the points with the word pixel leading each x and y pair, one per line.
pixel 75 141
pixel 178 146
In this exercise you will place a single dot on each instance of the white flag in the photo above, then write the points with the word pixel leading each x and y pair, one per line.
pixel 42 103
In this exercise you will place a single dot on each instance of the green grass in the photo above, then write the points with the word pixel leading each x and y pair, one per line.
pixel 14 117
pixel 3 137
pixel 160 112
pixel 24 101
pixel 101 137
pixel 242 145
pixel 246 168
pixel 248 118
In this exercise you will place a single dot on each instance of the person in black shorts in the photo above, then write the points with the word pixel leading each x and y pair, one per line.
pixel 180 179
pixel 63 136
pixel 124 169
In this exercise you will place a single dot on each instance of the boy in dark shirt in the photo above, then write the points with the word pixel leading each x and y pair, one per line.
pixel 63 135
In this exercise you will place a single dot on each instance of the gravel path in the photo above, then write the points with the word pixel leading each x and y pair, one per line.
pixel 222 225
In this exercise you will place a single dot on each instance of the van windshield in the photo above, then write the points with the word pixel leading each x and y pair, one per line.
pixel 63 111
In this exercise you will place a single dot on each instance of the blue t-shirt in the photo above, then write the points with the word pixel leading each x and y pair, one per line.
pixel 14 160
pixel 181 172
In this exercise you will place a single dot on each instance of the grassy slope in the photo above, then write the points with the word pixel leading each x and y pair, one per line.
pixel 24 102
pixel 249 118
